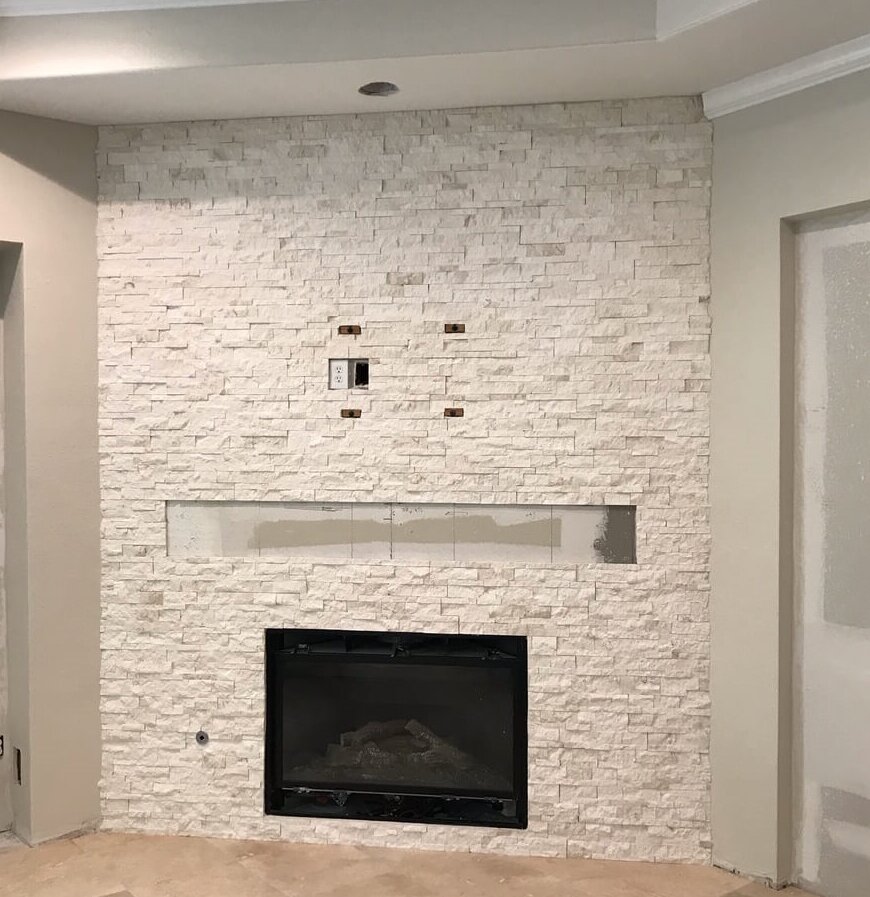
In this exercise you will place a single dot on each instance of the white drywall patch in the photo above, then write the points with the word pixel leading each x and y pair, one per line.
pixel 833 529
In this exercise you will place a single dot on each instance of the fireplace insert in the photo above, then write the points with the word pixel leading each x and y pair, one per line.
pixel 405 727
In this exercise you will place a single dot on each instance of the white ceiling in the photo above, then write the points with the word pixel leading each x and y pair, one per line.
pixel 210 59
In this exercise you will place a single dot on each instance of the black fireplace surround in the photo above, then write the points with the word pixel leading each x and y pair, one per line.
pixel 401 727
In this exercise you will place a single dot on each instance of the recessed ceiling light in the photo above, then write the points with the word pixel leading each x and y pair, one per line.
pixel 379 89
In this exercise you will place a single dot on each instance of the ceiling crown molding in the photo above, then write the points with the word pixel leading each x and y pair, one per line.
pixel 809 71
pixel 13 8
pixel 673 17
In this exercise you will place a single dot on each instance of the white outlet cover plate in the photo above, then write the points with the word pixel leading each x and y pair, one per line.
pixel 338 373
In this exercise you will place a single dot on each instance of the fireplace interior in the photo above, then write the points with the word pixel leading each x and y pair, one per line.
pixel 404 727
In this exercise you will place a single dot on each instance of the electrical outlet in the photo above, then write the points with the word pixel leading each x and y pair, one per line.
pixel 339 369
pixel 348 373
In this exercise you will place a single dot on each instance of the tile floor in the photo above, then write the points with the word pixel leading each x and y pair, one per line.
pixel 8 841
pixel 106 865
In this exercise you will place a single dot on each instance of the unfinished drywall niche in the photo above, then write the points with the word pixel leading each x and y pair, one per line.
pixel 509 534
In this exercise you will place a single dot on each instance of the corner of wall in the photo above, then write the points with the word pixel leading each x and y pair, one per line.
pixel 48 207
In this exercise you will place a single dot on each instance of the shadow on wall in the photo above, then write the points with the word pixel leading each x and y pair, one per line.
pixel 10 255
pixel 32 142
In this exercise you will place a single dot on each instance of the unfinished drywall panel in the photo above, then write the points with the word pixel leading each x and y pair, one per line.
pixel 833 523
pixel 402 531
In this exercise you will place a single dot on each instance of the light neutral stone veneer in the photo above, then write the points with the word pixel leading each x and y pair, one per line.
pixel 573 243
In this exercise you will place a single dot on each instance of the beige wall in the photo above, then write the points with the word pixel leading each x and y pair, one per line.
pixel 47 229
pixel 5 804
pixel 792 157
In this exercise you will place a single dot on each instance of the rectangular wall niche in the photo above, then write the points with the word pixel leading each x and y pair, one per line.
pixel 403 532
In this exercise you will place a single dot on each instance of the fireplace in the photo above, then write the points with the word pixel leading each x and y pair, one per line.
pixel 406 727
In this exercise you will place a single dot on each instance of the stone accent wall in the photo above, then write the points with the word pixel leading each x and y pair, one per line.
pixel 573 243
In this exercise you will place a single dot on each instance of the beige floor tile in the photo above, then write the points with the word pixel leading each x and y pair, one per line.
pixel 118 865
pixel 666 880
pixel 8 841
pixel 753 889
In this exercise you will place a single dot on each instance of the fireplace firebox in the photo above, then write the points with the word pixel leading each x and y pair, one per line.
pixel 406 727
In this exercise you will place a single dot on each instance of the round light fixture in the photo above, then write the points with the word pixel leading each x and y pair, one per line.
pixel 379 89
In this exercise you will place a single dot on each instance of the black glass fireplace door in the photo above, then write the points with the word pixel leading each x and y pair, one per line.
pixel 410 727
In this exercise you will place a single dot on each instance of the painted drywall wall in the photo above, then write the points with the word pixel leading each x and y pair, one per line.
pixel 5 799
pixel 788 158
pixel 47 225
pixel 832 793
pixel 15 547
